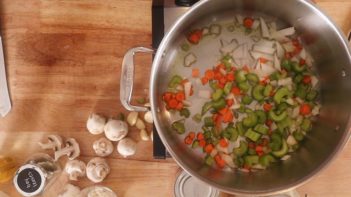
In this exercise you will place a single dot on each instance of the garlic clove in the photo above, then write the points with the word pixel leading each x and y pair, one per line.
pixel 148 117
pixel 144 135
pixel 132 118
pixel 152 136
pixel 140 124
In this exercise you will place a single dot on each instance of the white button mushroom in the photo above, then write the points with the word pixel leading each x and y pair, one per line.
pixel 126 147
pixel 97 169
pixel 103 147
pixel 75 169
pixel 95 124
pixel 54 143
pixel 115 130
pixel 71 150
pixel 70 191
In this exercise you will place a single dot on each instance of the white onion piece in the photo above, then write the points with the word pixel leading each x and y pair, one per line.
pixel 235 106
pixel 189 59
pixel 215 29
pixel 303 53
pixel 295 112
pixel 206 94
pixel 291 140
pixel 205 31
pixel 286 157
pixel 214 152
pixel 264 29
pixel 264 70
pixel 287 31
pixel 222 71
pixel 290 101
pixel 266 43
pixel 280 50
pixel 228 47
pixel 239 19
pixel 238 53
pixel 272 26
pixel 263 49
pixel 315 110
pixel 255 24
pixel 258 166
pixel 314 81
pixel 230 96
pixel 256 55
pixel 222 149
pixel 228 160
pixel 277 63
pixel 187 102
pixel 285 82
pixel 289 47
pixel 187 89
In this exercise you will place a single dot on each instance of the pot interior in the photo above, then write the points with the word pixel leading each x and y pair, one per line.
pixel 332 61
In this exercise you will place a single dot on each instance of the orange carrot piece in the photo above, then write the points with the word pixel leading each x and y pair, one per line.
pixel 208 148
pixel 263 60
pixel 202 143
pixel 188 140
pixel 195 36
pixel 173 103
pixel 209 74
pixel 248 22
pixel 230 102
pixel 200 136
pixel 267 107
pixel 204 80
pixel 230 77
pixel 192 135
pixel 167 96
pixel 236 91
pixel 180 96
pixel 179 106
pixel 305 109
pixel 195 73
pixel 223 143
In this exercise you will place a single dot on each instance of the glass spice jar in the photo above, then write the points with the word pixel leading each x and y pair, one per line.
pixel 36 174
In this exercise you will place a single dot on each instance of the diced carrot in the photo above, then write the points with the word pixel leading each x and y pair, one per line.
pixel 223 111
pixel 263 60
pixel 184 81
pixel 208 148
pixel 173 103
pixel 195 36
pixel 200 136
pixel 180 96
pixel 204 80
pixel 230 102
pixel 296 43
pixel 220 66
pixel 191 134
pixel 218 75
pixel 267 107
pixel 302 61
pixel 167 96
pixel 260 153
pixel 248 22
pixel 230 77
pixel 209 74
pixel 306 79
pixel 259 148
pixel 180 106
pixel 272 93
pixel 223 143
pixel 223 80
pixel 228 117
pixel 221 85
pixel 269 122
pixel 246 68
pixel 264 81
pixel 195 73
pixel 188 140
pixel 219 161
pixel 202 143
pixel 236 91
pixel 305 109
pixel 218 122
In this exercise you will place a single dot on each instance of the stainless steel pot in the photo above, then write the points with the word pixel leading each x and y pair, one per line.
pixel 332 56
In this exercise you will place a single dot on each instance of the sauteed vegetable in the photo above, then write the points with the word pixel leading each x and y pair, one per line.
pixel 260 98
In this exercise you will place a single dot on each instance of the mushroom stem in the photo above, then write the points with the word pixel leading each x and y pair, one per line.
pixel 49 145
pixel 64 151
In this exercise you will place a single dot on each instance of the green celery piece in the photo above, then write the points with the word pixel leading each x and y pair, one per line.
pixel 286 64
pixel 312 95
pixel 257 92
pixel 266 160
pixel 267 90
pixel 250 120
pixel 240 76
pixel 250 160
pixel 252 78
pixel 220 104
pixel 195 144
pixel 298 135
pixel 277 117
pixel 208 122
pixel 252 135
pixel 261 116
pixel 185 112
pixel 298 78
pixel 297 67
pixel 275 76
pixel 227 87
pixel 246 100
pixel 176 80
pixel 209 160
pixel 281 94
pixel 306 124
pixel 207 106
pixel 178 126
pixel 283 151
pixel 242 149
pixel 244 86
pixel 240 128
pixel 217 94
pixel 197 118
pixel 260 128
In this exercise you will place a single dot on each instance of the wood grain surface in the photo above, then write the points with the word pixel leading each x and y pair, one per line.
pixel 63 61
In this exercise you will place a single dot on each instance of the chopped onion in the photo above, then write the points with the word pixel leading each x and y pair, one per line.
pixel 290 101
pixel 266 43
pixel 314 81
pixel 280 50
pixel 239 19
pixel 286 157
pixel 287 31
pixel 214 152
pixel 289 47
pixel 236 144
pixel 187 89
pixel 228 47
pixel 263 49
pixel 206 94
pixel 198 81
pixel 230 96
pixel 299 100
pixel 222 71
pixel 205 31
pixel 215 29
pixel 285 82
pixel 264 71
pixel 222 149
pixel 274 126
pixel 295 112
pixel 291 140
pixel 303 53
pixel 238 53
pixel 187 102
pixel 235 106
pixel 255 24
pixel 264 29
pixel 256 55
pixel 276 62
pixel 189 59
pixel 228 160
pixel 258 166
pixel 179 87
pixel 272 26
pixel 315 110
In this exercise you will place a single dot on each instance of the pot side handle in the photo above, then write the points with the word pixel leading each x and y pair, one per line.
pixel 127 77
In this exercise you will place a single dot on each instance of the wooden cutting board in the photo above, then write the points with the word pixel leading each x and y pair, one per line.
pixel 63 62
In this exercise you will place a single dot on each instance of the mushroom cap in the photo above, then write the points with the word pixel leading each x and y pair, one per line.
pixel 95 124
pixel 97 169
pixel 126 147
pixel 103 147
pixel 75 148
pixel 115 130
pixel 75 169
pixel 69 190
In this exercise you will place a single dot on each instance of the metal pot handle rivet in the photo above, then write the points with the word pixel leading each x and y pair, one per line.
pixel 127 77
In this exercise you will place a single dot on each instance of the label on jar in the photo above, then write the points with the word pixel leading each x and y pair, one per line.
pixel 29 180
